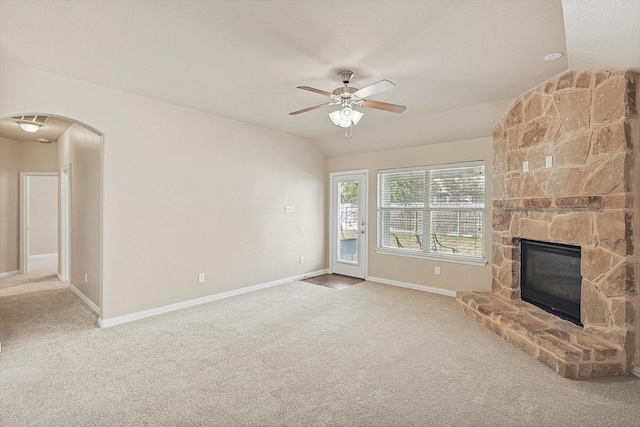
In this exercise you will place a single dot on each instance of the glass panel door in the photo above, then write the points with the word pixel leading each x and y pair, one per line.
pixel 349 224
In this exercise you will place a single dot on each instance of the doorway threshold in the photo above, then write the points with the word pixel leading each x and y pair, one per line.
pixel 334 281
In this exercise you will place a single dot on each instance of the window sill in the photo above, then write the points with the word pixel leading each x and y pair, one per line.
pixel 435 257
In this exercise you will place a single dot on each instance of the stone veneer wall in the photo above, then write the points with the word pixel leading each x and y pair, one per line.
pixel 588 121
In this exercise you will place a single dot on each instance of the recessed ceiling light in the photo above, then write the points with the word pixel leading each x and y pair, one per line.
pixel 553 56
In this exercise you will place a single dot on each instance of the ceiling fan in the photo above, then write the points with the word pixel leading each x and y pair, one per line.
pixel 347 97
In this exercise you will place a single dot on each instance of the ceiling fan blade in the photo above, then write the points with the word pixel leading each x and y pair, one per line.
pixel 311 108
pixel 384 106
pixel 378 87
pixel 312 89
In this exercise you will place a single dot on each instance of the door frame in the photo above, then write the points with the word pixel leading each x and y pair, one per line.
pixel 24 216
pixel 362 249
pixel 65 223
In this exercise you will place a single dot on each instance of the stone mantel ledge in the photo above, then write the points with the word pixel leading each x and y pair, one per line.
pixel 591 203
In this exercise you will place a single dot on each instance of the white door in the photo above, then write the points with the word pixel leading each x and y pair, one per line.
pixel 348 223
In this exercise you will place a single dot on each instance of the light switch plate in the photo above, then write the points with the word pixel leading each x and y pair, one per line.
pixel 289 209
pixel 525 166
pixel 548 161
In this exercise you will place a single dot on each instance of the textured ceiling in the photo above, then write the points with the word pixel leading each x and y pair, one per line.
pixel 602 34
pixel 243 59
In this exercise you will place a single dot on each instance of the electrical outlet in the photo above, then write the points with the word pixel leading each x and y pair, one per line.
pixel 548 162
pixel 301 260
pixel 525 166
pixel 86 278
pixel 289 209
pixel 437 271
pixel 201 278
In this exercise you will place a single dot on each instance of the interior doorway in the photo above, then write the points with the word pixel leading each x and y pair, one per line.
pixel 348 230
pixel 39 237
pixel 38 220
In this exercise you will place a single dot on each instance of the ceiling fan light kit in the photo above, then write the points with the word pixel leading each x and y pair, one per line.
pixel 345 117
pixel 347 97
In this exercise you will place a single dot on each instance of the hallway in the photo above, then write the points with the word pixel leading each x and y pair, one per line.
pixel 42 277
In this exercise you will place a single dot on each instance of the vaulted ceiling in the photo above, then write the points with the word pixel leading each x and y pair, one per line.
pixel 457 64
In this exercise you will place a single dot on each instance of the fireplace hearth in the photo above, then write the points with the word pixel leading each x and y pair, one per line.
pixel 550 278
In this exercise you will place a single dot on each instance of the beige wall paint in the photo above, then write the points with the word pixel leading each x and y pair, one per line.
pixel 457 277
pixel 9 205
pixel 37 157
pixel 43 215
pixel 81 148
pixel 16 157
pixel 186 192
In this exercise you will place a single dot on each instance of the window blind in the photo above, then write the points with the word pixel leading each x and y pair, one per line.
pixel 432 210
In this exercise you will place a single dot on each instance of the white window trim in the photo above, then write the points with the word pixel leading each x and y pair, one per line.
pixel 443 257
pixel 435 256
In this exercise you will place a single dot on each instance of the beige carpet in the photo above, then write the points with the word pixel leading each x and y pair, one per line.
pixel 293 355
pixel 41 277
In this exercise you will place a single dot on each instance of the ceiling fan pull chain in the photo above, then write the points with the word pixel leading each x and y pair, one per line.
pixel 348 132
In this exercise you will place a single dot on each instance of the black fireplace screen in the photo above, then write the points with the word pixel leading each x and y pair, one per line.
pixel 550 278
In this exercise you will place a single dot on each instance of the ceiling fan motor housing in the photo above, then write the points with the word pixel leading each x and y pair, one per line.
pixel 344 92
pixel 345 76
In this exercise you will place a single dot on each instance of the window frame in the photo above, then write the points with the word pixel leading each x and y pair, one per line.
pixel 426 252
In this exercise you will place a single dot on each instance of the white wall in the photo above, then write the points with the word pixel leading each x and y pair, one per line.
pixel 43 215
pixel 80 148
pixel 457 277
pixel 16 157
pixel 186 192
pixel 9 205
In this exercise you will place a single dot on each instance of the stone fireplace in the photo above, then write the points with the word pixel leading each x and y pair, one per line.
pixel 587 122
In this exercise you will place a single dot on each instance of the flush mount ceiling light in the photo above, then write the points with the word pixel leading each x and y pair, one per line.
pixel 347 97
pixel 553 56
pixel 31 124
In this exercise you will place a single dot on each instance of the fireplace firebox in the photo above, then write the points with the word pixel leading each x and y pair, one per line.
pixel 550 278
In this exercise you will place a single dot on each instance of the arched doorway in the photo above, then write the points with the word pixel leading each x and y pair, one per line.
pixel 61 148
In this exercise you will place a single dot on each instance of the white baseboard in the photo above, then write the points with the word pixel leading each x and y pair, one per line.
pixel 9 273
pixel 59 276
pixel 313 274
pixel 54 255
pixel 105 323
pixel 636 372
pixel 431 289
pixel 84 299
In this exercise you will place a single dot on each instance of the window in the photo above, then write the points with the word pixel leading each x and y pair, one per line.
pixel 432 211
